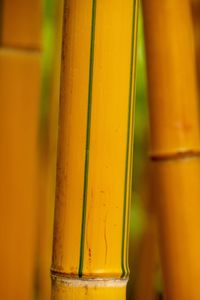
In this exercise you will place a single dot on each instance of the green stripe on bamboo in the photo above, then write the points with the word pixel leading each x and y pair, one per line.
pixel 87 150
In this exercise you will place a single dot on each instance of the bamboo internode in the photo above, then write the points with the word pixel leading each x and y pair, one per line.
pixel 177 191
pixel 94 166
pixel 175 139
pixel 21 23
pixel 18 186
pixel 195 8
pixel 174 109
pixel 20 70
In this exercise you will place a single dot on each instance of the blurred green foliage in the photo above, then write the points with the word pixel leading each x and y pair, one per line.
pixel 140 137
pixel 49 20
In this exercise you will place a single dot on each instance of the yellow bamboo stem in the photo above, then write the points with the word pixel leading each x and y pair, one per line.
pixel 145 281
pixel 177 190
pixel 148 254
pixel 173 104
pixel 21 23
pixel 19 93
pixel 18 185
pixel 195 8
pixel 94 150
pixel 171 69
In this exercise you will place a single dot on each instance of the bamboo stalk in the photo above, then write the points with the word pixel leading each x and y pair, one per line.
pixel 94 150
pixel 19 94
pixel 195 8
pixel 145 287
pixel 173 105
pixel 178 207
pixel 21 23
pixel 147 258
pixel 18 186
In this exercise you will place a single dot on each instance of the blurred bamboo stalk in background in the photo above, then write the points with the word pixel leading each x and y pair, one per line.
pixel 20 58
pixel 94 168
pixel 145 282
pixel 21 24
pixel 175 141
pixel 195 8
pixel 148 253
pixel 143 245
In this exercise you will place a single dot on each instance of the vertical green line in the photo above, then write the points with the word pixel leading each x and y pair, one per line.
pixel 87 151
pixel 132 139
pixel 128 141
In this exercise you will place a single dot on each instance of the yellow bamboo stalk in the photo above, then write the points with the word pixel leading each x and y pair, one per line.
pixel 94 150
pixel 195 8
pixel 21 23
pixel 173 104
pixel 145 282
pixel 148 253
pixel 19 93
pixel 171 45
pixel 178 204
pixel 18 185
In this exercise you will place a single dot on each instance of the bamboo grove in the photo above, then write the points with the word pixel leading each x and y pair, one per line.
pixel 67 115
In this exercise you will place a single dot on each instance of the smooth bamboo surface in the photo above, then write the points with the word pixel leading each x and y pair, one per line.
pixel 20 70
pixel 19 94
pixel 145 281
pixel 95 143
pixel 195 8
pixel 21 23
pixel 145 247
pixel 177 189
pixel 174 117
pixel 148 253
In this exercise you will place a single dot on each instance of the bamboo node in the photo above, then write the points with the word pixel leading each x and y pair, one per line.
pixel 90 282
pixel 187 154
